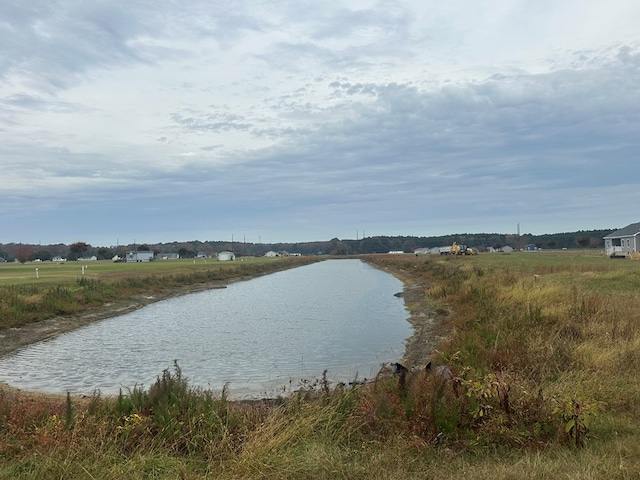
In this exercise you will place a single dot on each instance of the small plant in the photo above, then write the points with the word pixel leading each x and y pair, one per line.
pixel 576 416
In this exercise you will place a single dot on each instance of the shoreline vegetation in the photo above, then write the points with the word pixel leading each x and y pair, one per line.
pixel 534 375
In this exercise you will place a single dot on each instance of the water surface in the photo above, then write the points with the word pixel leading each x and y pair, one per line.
pixel 261 337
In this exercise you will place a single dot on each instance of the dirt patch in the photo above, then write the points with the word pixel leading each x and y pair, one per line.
pixel 428 328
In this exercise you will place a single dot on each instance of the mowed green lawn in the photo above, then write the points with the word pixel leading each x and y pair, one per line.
pixel 62 273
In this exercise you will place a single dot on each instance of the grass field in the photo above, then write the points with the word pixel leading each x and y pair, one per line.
pixel 65 273
pixel 543 351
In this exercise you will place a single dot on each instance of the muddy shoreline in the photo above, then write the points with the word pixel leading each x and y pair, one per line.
pixel 426 326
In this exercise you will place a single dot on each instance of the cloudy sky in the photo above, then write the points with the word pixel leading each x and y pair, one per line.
pixel 272 121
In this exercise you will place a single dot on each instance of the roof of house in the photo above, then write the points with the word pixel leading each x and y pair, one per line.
pixel 628 231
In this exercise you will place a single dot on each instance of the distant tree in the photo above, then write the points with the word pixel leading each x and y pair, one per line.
pixel 43 255
pixel 409 246
pixel 104 253
pixel 77 249
pixel 551 243
pixel 22 253
pixel 339 247
pixel 185 252
pixel 583 241
pixel 594 242
pixel 143 248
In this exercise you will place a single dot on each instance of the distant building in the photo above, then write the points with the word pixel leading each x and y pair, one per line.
pixel 506 249
pixel 56 259
pixel 623 242
pixel 140 256
pixel 167 256
pixel 226 256
pixel 431 251
pixel 531 248
pixel 281 253
pixel 92 258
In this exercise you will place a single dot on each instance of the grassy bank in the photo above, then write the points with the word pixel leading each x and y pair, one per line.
pixel 541 355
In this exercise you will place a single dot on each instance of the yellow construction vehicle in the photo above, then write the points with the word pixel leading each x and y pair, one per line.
pixel 460 249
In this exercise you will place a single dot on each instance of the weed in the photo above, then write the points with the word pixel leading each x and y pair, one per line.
pixel 576 416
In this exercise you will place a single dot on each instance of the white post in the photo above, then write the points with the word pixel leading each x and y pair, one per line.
pixel 83 270
pixel 37 274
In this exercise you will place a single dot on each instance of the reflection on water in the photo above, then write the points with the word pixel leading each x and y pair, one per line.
pixel 262 337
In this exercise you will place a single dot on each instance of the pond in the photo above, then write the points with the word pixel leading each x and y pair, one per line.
pixel 262 337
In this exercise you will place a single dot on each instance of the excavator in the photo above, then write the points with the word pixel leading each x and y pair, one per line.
pixel 460 249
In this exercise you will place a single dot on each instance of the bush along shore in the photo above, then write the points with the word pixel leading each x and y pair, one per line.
pixel 533 375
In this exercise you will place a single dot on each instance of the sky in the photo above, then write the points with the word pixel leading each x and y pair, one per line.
pixel 293 121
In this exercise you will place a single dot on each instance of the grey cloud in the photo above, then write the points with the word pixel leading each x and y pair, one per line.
pixel 49 44
pixel 64 40
pixel 213 122
pixel 509 131
pixel 211 148
pixel 28 102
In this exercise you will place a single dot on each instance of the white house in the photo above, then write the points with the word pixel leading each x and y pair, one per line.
pixel 139 256
pixel 226 256
pixel 623 242
pixel 271 253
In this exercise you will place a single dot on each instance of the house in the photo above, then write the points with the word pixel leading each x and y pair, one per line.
pixel 531 248
pixel 57 258
pixel 623 242
pixel 92 258
pixel 139 256
pixel 225 256
pixel 281 253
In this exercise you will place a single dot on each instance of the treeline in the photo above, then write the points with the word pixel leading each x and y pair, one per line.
pixel 582 239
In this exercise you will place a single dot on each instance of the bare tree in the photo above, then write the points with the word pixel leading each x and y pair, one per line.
pixel 22 253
